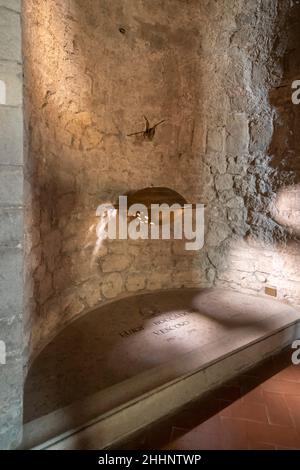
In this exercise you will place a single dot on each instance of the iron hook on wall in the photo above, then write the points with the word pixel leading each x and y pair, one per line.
pixel 149 132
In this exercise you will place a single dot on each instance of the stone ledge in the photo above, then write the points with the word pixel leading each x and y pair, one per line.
pixel 121 423
pixel 116 412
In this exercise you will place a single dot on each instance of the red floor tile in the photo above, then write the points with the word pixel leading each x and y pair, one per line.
pixel 208 435
pixel 260 446
pixel 277 409
pixel 234 434
pixel 291 374
pixel 281 386
pixel 292 401
pixel 259 410
pixel 286 448
pixel 293 404
pixel 272 434
pixel 254 396
pixel 246 411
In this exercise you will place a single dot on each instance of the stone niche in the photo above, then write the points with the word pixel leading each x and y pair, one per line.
pixel 82 101
pixel 213 72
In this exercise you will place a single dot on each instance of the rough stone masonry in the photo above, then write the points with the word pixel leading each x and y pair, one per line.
pixel 220 75
pixel 92 70
pixel 214 72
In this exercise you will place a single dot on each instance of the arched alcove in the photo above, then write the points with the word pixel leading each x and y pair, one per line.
pixel 206 69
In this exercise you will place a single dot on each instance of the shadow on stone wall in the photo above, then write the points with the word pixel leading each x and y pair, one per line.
pixel 285 145
pixel 87 85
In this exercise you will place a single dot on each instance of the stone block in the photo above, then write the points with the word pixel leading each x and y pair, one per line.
pixel 11 136
pixel 112 285
pixel 11 185
pixel 215 140
pixel 217 233
pixel 261 277
pixel 237 134
pixel 70 304
pixel 236 166
pixel 11 282
pixel 210 275
pixel 11 227
pixel 11 76
pixel 189 278
pixel 158 280
pixel 11 334
pixel 135 282
pixel 241 264
pixel 216 162
pixel 11 436
pixel 10 424
pixel 92 292
pixel 115 263
pixel 11 404
pixel 223 182
pixel 10 35
pixel 11 380
pixel 11 4
pixel 261 134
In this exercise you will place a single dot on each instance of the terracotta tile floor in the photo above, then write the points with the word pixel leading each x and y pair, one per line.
pixel 258 410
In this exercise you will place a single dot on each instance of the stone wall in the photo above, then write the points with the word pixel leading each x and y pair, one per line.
pixel 11 225
pixel 270 256
pixel 92 70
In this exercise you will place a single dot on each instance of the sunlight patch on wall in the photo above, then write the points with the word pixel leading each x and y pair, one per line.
pixel 287 208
